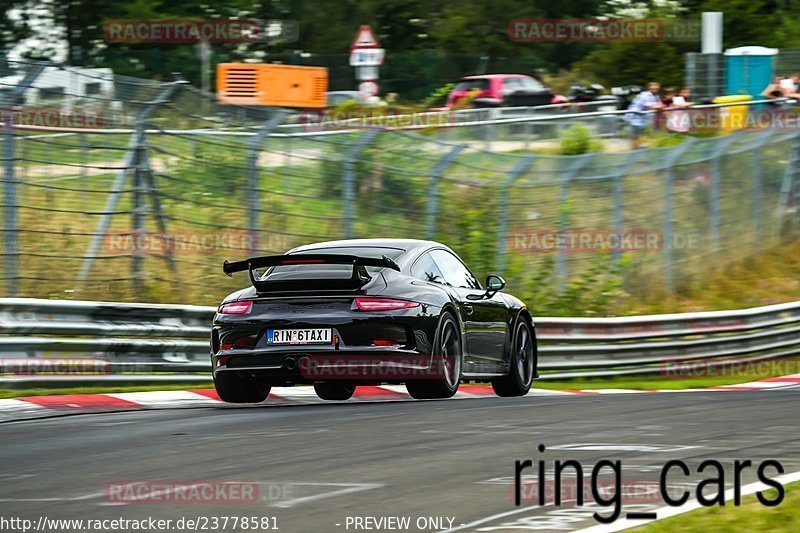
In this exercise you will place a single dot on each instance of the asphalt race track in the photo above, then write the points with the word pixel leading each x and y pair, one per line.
pixel 320 464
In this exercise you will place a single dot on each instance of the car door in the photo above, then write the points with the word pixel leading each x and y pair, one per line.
pixel 425 269
pixel 484 318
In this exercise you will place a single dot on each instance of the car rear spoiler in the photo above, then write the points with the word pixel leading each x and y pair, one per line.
pixel 358 278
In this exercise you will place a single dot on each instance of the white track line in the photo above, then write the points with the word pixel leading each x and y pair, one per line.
pixel 691 505
pixel 11 409
pixel 173 398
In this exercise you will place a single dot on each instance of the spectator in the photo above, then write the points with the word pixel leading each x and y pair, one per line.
pixel 684 98
pixel 638 119
pixel 678 118
pixel 669 94
pixel 789 86
pixel 774 90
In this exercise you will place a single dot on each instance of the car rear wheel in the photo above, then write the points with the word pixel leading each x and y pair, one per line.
pixel 332 390
pixel 523 363
pixel 234 388
pixel 447 364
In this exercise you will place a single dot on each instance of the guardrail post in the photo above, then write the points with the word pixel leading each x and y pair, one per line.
pixel 619 200
pixel 716 176
pixel 433 189
pixel 562 270
pixel 117 187
pixel 669 165
pixel 10 229
pixel 349 182
pixel 253 179
pixel 502 231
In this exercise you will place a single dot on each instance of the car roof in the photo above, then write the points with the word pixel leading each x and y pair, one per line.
pixel 491 76
pixel 412 247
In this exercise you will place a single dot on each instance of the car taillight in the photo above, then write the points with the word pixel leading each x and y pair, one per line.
pixel 235 308
pixel 247 343
pixel 383 304
pixel 384 342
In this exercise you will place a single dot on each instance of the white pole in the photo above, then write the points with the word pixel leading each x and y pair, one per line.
pixel 712 32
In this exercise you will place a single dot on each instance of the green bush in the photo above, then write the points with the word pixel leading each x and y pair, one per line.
pixel 577 139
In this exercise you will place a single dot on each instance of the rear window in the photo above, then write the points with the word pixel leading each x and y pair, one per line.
pixel 469 85
pixel 332 271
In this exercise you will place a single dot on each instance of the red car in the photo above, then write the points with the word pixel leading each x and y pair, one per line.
pixel 495 90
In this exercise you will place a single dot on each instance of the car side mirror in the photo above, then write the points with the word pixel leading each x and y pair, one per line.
pixel 494 283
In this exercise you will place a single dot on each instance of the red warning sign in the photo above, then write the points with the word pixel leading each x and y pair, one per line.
pixel 365 38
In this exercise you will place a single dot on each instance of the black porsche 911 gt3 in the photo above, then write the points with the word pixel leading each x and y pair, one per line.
pixel 369 311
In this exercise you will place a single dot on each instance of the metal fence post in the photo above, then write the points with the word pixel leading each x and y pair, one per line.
pixel 253 179
pixel 502 229
pixel 10 218
pixel 433 189
pixel 785 194
pixel 691 66
pixel 562 271
pixel 757 187
pixel 137 219
pixel 619 200
pixel 490 131
pixel 151 190
pixel 716 176
pixel 349 182
pixel 117 187
pixel 84 158
pixel 669 165
pixel 10 228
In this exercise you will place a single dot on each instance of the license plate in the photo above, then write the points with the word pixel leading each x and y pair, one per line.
pixel 300 336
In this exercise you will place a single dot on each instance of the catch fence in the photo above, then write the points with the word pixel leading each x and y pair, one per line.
pixel 147 204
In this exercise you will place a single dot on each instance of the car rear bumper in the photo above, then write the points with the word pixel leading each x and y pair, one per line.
pixel 300 365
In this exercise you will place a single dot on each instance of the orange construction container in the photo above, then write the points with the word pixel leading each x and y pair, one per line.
pixel 272 85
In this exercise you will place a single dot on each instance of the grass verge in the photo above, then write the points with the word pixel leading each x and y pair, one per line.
pixel 653 381
pixel 751 516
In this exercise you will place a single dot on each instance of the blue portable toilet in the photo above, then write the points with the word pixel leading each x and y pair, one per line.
pixel 749 69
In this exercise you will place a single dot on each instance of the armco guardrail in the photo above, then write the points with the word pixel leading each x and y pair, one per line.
pixel 74 341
